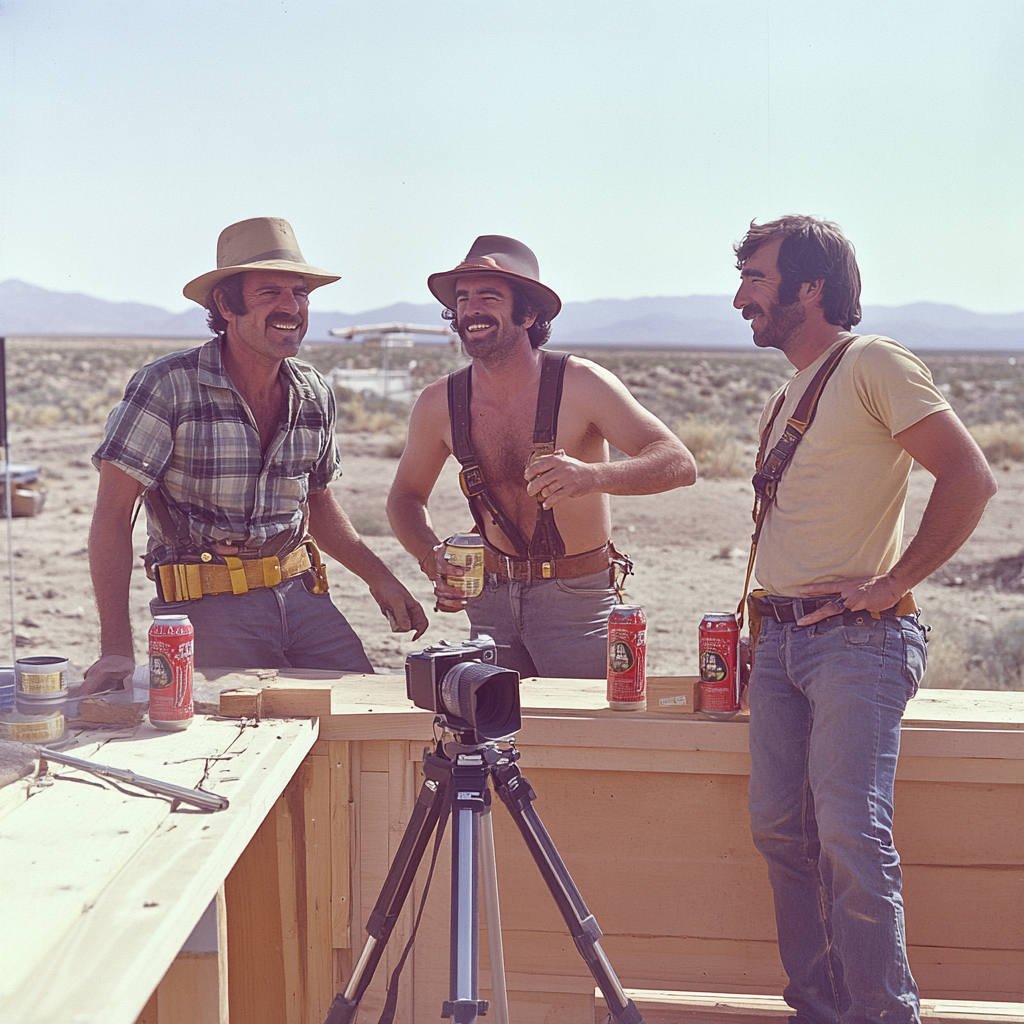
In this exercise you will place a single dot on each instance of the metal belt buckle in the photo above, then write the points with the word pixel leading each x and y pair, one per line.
pixel 545 570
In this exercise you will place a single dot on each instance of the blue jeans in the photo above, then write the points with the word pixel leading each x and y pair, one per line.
pixel 555 628
pixel 825 708
pixel 280 627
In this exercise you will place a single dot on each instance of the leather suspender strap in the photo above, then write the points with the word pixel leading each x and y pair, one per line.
pixel 546 542
pixel 471 477
pixel 770 467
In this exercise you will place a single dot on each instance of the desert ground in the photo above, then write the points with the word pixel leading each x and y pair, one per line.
pixel 689 546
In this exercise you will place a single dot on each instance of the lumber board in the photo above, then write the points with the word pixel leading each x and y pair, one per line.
pixel 936 897
pixel 319 956
pixel 959 823
pixel 189 992
pixel 339 760
pixel 160 890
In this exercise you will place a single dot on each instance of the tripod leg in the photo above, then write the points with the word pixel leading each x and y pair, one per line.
pixel 518 797
pixel 469 787
pixel 489 874
pixel 425 815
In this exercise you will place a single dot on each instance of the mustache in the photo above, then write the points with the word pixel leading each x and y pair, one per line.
pixel 470 321
pixel 296 320
pixel 749 312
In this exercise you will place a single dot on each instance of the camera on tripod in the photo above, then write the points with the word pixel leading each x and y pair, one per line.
pixel 464 686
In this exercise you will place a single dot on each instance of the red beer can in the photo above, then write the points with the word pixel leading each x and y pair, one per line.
pixel 719 665
pixel 627 658
pixel 170 672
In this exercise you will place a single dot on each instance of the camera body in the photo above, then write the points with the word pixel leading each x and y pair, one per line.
pixel 463 685
pixel 425 670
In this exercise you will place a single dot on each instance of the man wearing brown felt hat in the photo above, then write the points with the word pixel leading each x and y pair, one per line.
pixel 231 448
pixel 531 430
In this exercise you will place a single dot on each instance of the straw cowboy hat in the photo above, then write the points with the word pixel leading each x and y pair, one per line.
pixel 262 243
pixel 496 254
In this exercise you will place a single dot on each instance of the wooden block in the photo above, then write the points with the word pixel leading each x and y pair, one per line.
pixel 242 702
pixel 675 695
pixel 100 711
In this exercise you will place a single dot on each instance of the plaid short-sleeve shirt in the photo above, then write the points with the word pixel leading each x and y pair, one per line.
pixel 183 428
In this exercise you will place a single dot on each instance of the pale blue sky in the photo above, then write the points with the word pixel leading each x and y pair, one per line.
pixel 628 143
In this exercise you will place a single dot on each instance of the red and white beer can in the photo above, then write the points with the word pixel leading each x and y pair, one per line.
pixel 170 672
pixel 719 665
pixel 627 658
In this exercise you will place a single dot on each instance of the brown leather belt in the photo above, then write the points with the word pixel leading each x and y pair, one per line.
pixel 790 609
pixel 526 570
pixel 189 582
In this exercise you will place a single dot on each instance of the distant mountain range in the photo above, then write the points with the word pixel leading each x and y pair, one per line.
pixel 693 321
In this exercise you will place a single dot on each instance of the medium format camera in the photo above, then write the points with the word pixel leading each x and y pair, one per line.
pixel 461 683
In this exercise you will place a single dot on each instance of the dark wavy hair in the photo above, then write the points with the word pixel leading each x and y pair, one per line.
pixel 522 307
pixel 811 250
pixel 231 287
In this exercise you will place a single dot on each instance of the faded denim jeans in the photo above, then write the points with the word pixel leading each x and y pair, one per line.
pixel 825 708
pixel 279 627
pixel 555 628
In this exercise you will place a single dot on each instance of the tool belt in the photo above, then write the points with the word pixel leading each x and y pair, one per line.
pixel 191 581
pixel 526 570
pixel 790 609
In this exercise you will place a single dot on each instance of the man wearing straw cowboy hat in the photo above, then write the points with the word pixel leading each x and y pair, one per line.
pixel 531 430
pixel 231 446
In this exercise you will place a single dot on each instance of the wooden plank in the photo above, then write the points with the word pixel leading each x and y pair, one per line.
pixel 160 892
pixel 263 982
pixel 982 974
pixel 223 1014
pixel 374 756
pixel 341 843
pixel 932 823
pixel 373 858
pixel 189 992
pixel 995 897
pixel 319 957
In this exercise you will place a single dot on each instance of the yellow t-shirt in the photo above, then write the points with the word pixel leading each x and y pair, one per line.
pixel 839 507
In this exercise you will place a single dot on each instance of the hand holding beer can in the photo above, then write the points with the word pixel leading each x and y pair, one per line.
pixel 466 550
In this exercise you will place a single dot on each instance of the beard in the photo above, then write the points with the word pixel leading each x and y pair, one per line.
pixel 498 343
pixel 780 323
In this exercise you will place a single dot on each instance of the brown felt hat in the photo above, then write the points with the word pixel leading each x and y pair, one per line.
pixel 497 254
pixel 261 243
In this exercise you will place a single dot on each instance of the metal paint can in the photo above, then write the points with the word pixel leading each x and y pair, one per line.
pixel 719 665
pixel 466 550
pixel 627 658
pixel 42 675
pixel 44 728
pixel 170 672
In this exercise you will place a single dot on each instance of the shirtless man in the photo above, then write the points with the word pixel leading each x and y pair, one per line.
pixel 545 518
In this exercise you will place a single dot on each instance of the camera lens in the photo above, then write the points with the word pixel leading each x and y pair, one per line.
pixel 484 696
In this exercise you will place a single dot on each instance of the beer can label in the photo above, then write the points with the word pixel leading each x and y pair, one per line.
pixel 463 552
pixel 719 664
pixel 627 658
pixel 171 651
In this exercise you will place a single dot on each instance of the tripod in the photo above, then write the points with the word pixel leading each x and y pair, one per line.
pixel 458 783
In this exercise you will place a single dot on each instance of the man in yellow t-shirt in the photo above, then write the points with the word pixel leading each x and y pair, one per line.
pixel 840 650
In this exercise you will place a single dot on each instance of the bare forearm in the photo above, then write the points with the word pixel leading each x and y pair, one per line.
pixel 335 534
pixel 661 466
pixel 411 523
pixel 110 565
